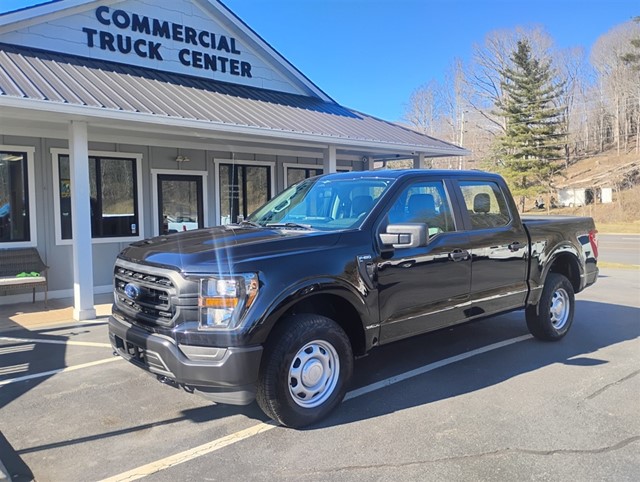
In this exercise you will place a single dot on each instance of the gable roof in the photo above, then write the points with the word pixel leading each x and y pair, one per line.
pixel 61 83
pixel 42 26
pixel 76 85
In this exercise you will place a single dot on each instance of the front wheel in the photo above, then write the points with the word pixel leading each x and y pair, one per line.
pixel 552 317
pixel 307 365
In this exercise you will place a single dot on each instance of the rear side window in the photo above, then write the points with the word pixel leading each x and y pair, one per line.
pixel 486 204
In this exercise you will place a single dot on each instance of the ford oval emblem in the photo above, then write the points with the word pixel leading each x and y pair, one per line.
pixel 133 291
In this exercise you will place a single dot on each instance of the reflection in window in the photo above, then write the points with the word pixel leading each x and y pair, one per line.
pixel 297 174
pixel 425 203
pixel 243 189
pixel 14 201
pixel 114 206
pixel 486 204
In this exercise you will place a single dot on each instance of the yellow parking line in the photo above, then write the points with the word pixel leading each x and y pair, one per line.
pixel 55 372
pixel 55 342
pixel 191 454
pixel 220 443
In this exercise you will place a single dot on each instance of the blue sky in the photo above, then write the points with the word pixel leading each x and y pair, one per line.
pixel 371 54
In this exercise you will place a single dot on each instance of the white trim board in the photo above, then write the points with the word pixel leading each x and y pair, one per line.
pixel 31 194
pixel 175 172
pixel 55 153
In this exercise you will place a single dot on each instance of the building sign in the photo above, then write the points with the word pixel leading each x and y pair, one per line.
pixel 187 37
pixel 203 49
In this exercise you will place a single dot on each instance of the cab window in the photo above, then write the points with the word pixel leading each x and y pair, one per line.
pixel 486 204
pixel 424 203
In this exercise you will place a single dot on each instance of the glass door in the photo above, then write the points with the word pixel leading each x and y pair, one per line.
pixel 180 206
pixel 243 189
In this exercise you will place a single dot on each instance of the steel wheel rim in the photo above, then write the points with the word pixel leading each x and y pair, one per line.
pixel 314 373
pixel 560 308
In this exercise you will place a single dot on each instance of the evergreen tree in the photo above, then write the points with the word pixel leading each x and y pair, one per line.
pixel 532 141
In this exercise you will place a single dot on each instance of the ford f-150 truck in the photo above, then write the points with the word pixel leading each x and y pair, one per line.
pixel 276 307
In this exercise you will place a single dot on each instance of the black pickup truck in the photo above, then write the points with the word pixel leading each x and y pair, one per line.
pixel 275 308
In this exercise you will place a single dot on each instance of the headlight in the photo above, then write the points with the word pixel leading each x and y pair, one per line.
pixel 224 299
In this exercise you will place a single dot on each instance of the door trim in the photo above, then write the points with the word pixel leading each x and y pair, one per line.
pixel 175 172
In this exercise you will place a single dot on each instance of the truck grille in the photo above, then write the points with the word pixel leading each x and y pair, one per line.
pixel 145 295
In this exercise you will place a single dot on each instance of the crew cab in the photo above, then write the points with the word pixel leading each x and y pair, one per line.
pixel 276 307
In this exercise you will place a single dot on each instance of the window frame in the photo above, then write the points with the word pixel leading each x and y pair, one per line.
pixel 239 162
pixel 174 172
pixel 137 157
pixel 447 199
pixel 466 218
pixel 31 202
pixel 287 165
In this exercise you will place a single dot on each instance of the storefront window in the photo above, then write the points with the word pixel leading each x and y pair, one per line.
pixel 297 174
pixel 243 189
pixel 113 182
pixel 14 202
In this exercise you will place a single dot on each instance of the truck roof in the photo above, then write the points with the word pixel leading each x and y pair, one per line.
pixel 402 173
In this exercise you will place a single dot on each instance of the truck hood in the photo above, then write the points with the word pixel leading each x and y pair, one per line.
pixel 222 248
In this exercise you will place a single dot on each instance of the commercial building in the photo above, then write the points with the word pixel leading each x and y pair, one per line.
pixel 121 120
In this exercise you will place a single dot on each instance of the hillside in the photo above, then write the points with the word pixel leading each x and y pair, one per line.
pixel 619 172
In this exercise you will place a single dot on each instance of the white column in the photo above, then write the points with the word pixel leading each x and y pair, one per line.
pixel 418 161
pixel 83 308
pixel 329 160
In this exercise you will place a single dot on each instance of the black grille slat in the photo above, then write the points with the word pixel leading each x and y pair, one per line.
pixel 153 305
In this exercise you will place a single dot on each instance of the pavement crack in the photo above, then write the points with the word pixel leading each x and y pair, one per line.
pixel 417 463
pixel 606 387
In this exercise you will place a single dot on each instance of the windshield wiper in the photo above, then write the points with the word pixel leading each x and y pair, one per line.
pixel 250 223
pixel 289 225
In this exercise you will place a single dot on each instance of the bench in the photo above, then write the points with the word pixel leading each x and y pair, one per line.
pixel 14 261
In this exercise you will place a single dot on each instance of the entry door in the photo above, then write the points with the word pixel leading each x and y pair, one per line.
pixel 243 189
pixel 180 205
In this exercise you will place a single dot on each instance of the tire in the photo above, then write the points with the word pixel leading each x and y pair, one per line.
pixel 552 317
pixel 306 368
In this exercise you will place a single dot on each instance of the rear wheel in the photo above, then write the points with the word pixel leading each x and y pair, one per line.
pixel 552 317
pixel 307 365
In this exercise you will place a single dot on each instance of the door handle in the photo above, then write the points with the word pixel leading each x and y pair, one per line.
pixel 458 255
pixel 515 246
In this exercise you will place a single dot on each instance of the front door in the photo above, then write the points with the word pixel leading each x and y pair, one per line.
pixel 180 204
pixel 427 287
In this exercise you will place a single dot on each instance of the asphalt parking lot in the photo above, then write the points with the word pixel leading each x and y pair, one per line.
pixel 481 401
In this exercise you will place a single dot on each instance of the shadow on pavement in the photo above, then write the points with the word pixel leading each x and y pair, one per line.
pixel 597 325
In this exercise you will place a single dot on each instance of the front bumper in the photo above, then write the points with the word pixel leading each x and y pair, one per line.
pixel 224 375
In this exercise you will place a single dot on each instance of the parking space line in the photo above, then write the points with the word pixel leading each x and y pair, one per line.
pixel 231 439
pixel 431 366
pixel 55 372
pixel 55 342
pixel 191 454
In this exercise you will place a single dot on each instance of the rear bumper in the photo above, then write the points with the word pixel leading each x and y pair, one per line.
pixel 224 375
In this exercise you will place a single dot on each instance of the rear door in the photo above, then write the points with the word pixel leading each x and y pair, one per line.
pixel 498 246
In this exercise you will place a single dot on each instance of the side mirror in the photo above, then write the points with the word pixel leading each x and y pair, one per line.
pixel 405 235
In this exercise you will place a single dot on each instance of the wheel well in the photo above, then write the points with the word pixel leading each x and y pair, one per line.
pixel 567 265
pixel 339 310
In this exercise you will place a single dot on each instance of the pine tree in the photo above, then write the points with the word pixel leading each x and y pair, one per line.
pixel 532 141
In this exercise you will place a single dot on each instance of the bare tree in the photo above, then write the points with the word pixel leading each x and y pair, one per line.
pixel 422 112
pixel 618 80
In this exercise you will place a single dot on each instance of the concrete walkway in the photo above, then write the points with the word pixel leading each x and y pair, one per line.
pixel 32 316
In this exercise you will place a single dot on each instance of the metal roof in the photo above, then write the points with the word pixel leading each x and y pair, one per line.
pixel 60 79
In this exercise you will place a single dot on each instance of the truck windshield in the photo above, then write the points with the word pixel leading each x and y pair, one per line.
pixel 322 203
